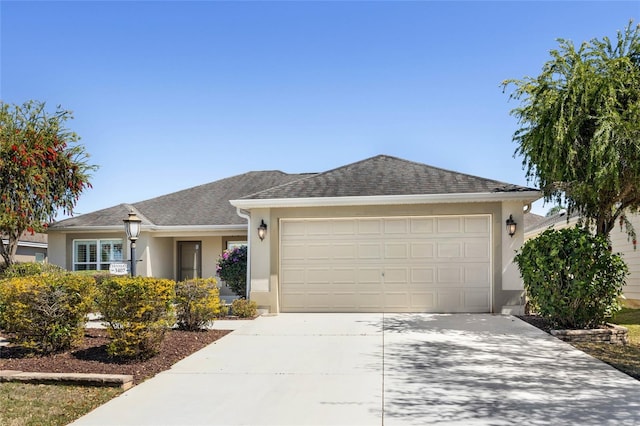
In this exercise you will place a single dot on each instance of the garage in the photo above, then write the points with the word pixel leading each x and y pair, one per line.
pixel 386 264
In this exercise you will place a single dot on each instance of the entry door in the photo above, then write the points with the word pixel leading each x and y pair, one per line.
pixel 189 260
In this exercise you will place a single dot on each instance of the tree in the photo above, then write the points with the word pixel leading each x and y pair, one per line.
pixel 554 210
pixel 42 170
pixel 579 129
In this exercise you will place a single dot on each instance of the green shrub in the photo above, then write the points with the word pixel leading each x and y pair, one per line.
pixel 232 269
pixel 28 269
pixel 571 277
pixel 48 312
pixel 138 312
pixel 197 303
pixel 244 308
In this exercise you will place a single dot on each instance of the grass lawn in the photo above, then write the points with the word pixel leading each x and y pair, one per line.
pixel 49 405
pixel 624 358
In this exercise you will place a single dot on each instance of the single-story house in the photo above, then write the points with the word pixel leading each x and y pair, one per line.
pixel 31 248
pixel 382 234
pixel 620 243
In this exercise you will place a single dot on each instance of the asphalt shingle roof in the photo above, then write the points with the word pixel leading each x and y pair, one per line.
pixel 202 205
pixel 385 175
pixel 208 204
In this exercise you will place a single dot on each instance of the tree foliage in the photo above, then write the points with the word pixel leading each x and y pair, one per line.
pixel 579 129
pixel 42 170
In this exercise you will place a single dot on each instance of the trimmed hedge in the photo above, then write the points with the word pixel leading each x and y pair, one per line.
pixel 571 277
pixel 197 303
pixel 48 312
pixel 138 311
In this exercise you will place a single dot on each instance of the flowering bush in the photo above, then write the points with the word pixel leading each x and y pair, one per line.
pixel 232 269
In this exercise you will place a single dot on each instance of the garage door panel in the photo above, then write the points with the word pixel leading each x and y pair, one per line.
pixel 422 301
pixel 396 275
pixel 369 275
pixel 422 250
pixel 397 264
pixel 422 225
pixel 477 300
pixel 423 275
pixel 450 249
pixel 476 250
pixel 450 275
pixel 344 251
pixel 396 226
pixel 479 225
pixel 292 251
pixel 318 251
pixel 395 250
pixel 369 227
pixel 370 251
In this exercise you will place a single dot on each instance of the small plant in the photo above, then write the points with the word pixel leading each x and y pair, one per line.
pixel 244 308
pixel 232 269
pixel 197 303
pixel 571 277
pixel 138 312
pixel 46 313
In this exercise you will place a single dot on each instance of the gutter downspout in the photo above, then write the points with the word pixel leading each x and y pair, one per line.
pixel 246 215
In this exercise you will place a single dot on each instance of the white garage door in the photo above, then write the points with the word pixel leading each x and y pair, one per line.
pixel 390 264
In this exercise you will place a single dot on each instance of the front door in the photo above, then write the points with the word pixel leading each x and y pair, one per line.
pixel 189 260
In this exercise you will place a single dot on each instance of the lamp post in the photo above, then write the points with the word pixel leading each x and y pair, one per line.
pixel 132 228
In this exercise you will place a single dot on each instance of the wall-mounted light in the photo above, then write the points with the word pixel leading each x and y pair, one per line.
pixel 511 226
pixel 262 230
pixel 132 226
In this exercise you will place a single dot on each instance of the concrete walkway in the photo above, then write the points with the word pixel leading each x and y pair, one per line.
pixel 381 369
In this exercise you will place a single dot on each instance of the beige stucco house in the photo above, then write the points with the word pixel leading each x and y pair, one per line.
pixel 619 242
pixel 382 234
pixel 31 248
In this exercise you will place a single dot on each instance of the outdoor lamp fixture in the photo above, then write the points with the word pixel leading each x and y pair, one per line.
pixel 132 228
pixel 511 226
pixel 262 230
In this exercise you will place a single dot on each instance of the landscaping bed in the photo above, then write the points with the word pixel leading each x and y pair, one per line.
pixel 91 356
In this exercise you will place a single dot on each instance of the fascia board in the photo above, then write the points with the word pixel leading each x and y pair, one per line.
pixel 525 196
pixel 153 228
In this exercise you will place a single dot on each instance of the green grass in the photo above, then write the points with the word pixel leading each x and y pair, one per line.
pixel 23 404
pixel 624 358
pixel 629 318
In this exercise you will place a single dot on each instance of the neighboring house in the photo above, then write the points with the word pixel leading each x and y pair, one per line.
pixel 619 243
pixel 31 248
pixel 382 234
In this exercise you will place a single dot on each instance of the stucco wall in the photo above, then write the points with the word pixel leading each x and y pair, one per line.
pixel 265 254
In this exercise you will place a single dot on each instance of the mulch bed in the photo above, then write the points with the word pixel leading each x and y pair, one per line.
pixel 537 321
pixel 91 356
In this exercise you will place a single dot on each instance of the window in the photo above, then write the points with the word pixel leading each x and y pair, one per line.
pixel 40 257
pixel 235 244
pixel 96 255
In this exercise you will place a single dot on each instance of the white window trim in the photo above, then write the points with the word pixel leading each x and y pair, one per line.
pixel 98 261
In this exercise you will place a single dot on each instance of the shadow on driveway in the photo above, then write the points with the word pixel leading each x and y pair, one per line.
pixel 496 370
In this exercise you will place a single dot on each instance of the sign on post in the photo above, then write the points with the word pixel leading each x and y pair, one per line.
pixel 118 269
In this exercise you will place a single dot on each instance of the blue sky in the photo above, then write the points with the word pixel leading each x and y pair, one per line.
pixel 168 95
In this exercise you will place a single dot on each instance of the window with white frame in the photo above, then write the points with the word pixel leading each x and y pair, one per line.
pixel 96 255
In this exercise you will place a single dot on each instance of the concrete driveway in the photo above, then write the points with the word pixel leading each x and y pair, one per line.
pixel 381 369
